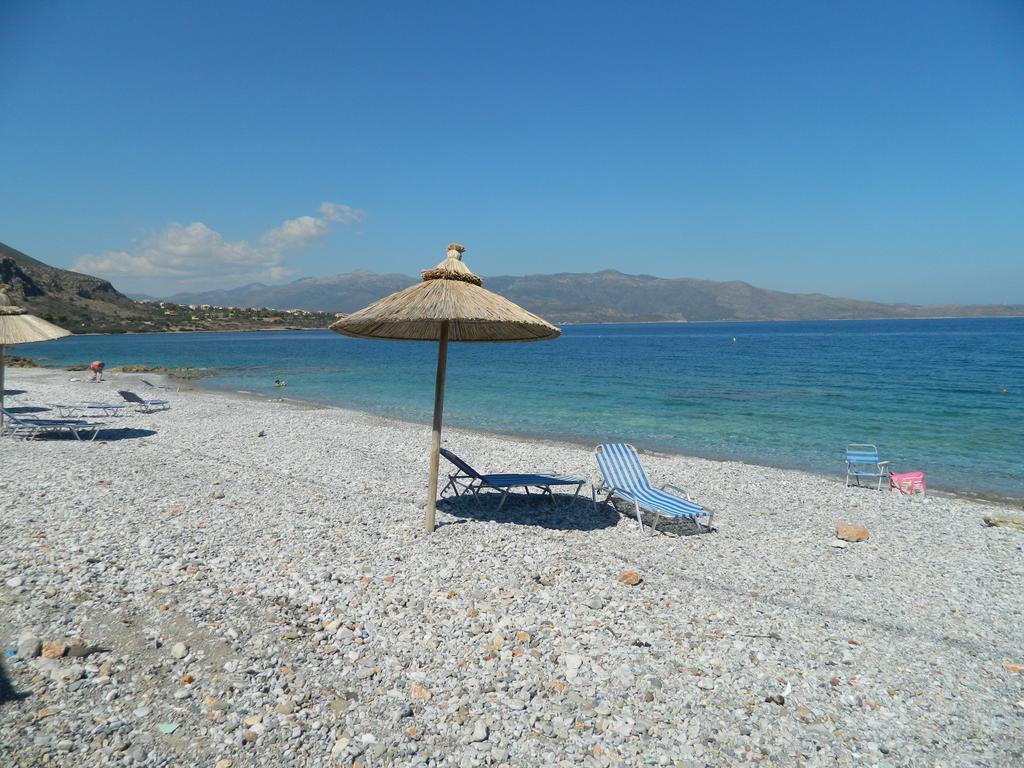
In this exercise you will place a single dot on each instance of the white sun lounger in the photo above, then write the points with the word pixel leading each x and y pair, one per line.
pixel 142 404
pixel 23 426
pixel 73 410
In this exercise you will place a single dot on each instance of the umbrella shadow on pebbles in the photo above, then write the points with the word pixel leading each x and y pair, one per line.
pixel 7 692
pixel 566 514
pixel 12 392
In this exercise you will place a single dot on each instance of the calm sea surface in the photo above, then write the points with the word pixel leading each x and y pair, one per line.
pixel 929 393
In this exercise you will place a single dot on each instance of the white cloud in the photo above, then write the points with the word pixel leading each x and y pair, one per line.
pixel 295 233
pixel 341 214
pixel 197 256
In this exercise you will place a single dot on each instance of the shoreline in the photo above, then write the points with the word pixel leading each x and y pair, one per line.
pixel 792 320
pixel 561 440
pixel 194 330
pixel 575 323
pixel 994 499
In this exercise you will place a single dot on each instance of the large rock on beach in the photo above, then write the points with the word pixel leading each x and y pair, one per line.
pixel 630 578
pixel 54 649
pixel 29 646
pixel 851 533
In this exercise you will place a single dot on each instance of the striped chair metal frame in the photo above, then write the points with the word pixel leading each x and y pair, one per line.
pixel 862 461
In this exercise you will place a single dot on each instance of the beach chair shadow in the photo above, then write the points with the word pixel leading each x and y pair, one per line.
pixel 687 526
pixel 14 392
pixel 27 409
pixel 7 692
pixel 102 435
pixel 123 433
pixel 566 514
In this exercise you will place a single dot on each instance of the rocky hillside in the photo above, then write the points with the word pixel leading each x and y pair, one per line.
pixel 73 300
pixel 86 304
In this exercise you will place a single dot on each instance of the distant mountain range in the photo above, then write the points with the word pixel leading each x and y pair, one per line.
pixel 82 303
pixel 336 293
pixel 607 296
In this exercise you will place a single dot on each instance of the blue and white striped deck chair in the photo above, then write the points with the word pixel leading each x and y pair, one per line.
pixel 862 461
pixel 622 476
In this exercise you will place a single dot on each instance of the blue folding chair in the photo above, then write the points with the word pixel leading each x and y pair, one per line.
pixel 862 461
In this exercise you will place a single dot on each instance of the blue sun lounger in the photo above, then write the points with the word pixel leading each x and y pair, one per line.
pixel 471 481
pixel 624 477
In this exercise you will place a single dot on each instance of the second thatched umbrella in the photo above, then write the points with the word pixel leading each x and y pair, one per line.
pixel 17 326
pixel 449 305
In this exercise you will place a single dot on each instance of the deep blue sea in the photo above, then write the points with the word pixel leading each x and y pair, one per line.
pixel 929 393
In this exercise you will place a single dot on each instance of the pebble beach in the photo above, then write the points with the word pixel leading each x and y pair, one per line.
pixel 245 582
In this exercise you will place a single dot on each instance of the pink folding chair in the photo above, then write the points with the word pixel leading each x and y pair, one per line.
pixel 907 482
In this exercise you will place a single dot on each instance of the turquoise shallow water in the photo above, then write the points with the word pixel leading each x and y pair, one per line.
pixel 927 392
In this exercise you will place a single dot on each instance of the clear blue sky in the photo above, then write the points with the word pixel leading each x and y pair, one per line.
pixel 864 149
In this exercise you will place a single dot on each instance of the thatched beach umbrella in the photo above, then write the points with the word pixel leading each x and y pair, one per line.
pixel 19 327
pixel 449 305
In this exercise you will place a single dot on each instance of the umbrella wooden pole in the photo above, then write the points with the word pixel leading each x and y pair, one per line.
pixel 435 442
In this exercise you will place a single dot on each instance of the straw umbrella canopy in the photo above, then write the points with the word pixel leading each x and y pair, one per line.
pixel 448 305
pixel 17 326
